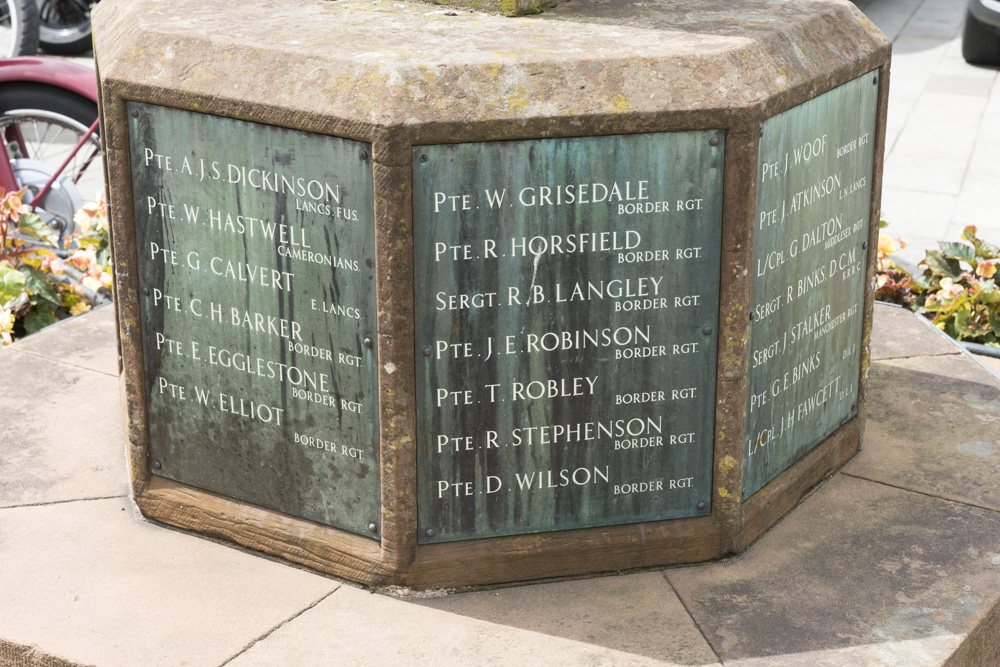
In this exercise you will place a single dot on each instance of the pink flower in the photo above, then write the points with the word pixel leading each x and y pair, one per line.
pixel 81 259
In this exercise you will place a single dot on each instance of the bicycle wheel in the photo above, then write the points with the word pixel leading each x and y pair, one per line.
pixel 41 127
pixel 18 28
pixel 65 26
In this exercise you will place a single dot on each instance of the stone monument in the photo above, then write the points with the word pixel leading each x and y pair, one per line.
pixel 428 296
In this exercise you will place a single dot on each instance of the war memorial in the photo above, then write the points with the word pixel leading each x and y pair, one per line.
pixel 431 296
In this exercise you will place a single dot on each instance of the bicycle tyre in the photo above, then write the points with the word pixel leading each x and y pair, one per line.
pixel 20 25
pixel 61 33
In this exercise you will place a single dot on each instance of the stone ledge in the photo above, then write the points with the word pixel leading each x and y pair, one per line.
pixel 410 66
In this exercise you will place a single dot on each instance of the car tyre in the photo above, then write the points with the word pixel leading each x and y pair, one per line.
pixel 980 43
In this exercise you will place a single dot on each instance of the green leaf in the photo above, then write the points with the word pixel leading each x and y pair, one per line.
pixel 989 295
pixel 38 319
pixel 984 250
pixel 959 250
pixel 32 225
pixel 103 257
pixel 949 327
pixel 967 326
pixel 36 283
pixel 995 322
pixel 11 283
pixel 942 265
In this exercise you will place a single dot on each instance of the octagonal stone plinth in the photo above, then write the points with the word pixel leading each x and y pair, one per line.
pixel 429 297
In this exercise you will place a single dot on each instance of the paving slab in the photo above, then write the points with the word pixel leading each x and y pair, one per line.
pixel 79 341
pixel 61 435
pixel 985 163
pixel 859 574
pixel 637 614
pixel 989 132
pixel 916 48
pixel 935 25
pixel 899 332
pixel 890 21
pixel 924 174
pixel 953 65
pixel 89 583
pixel 976 205
pixel 916 213
pixel 992 363
pixel 936 139
pixel 627 620
pixel 955 407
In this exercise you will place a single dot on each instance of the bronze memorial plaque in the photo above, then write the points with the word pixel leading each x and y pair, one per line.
pixel 567 296
pixel 814 189
pixel 256 270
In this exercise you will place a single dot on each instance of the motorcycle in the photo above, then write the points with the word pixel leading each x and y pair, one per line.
pixel 64 26
pixel 58 26
pixel 19 28
pixel 49 125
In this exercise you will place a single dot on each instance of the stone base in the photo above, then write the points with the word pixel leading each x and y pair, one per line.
pixel 398 75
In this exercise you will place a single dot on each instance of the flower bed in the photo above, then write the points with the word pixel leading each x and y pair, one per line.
pixel 957 289
pixel 44 280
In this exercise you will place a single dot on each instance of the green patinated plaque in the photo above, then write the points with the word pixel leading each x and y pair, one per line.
pixel 814 188
pixel 256 269
pixel 566 304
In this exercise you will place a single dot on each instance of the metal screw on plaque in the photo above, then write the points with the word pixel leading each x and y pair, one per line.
pixel 363 155
pixel 762 130
pixel 368 342
pixel 751 316
pixel 701 506
pixel 864 244
pixel 157 465
pixel 145 291
pixel 427 351
pixel 135 113
pixel 714 141
pixel 875 80
pixel 429 532
pixel 707 331
pixel 423 157
pixel 372 528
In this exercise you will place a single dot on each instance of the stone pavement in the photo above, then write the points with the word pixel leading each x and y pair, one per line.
pixel 942 162
pixel 893 561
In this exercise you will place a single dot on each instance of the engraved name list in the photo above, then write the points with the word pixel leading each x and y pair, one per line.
pixel 566 305
pixel 810 245
pixel 255 250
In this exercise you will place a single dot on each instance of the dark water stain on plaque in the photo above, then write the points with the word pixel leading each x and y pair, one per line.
pixel 814 188
pixel 567 305
pixel 255 246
